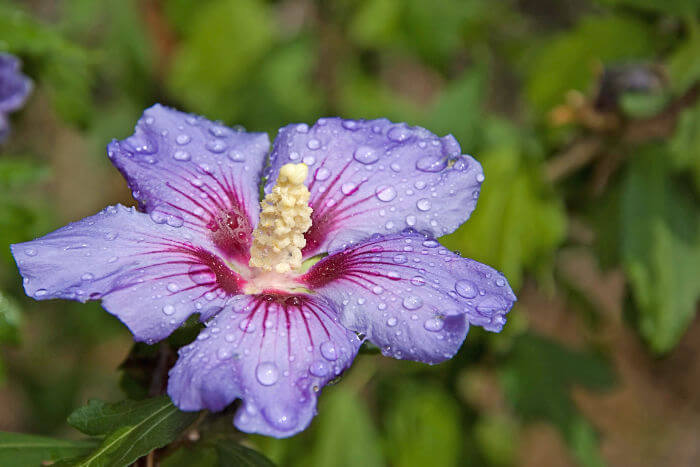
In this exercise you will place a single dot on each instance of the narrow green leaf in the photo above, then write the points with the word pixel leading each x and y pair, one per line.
pixel 20 450
pixel 135 427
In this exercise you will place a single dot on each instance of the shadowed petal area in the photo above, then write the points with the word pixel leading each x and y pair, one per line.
pixel 375 176
pixel 151 276
pixel 411 296
pixel 273 351
pixel 185 169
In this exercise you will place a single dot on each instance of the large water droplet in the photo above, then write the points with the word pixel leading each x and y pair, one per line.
pixel 391 322
pixel 318 368
pixel 386 193
pixel 267 373
pixel 431 164
pixel 200 274
pixel 466 288
pixel 215 146
pixel 412 302
pixel 173 287
pixel 236 156
pixel 329 351
pixel 322 174
pixel 399 133
pixel 430 243
pixel 41 293
pixel 168 310
pixel 480 177
pixel 313 144
pixel 434 324
pixel 411 220
pixel 400 259
pixel 366 155
pixel 348 188
pixel 182 139
pixel 423 204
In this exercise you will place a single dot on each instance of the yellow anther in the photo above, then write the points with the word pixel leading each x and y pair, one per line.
pixel 284 218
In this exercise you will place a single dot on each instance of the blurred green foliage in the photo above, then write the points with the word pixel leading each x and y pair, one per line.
pixel 527 87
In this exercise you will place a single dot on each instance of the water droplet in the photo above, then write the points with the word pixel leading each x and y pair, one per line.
pixel 412 302
pixel 480 177
pixel 182 139
pixel 329 351
pixel 30 252
pixel 236 156
pixel 399 133
pixel 434 324
pixel 223 353
pixel 400 259
pixel 174 220
pixel 87 276
pixel 431 164
pixel 466 288
pixel 430 243
pixel 395 167
pixel 313 144
pixel 200 274
pixel 246 326
pixel 267 373
pixel 411 220
pixel 318 368
pixel 322 174
pixel 348 188
pixel 417 280
pixel 419 185
pixel 385 193
pixel 350 125
pixel 500 282
pixel 391 322
pixel 41 292
pixel 215 146
pixel 168 310
pixel 110 235
pixel 294 156
pixel 309 160
pixel 423 204
pixel 377 289
pixel 366 155
pixel 173 287
pixel 302 128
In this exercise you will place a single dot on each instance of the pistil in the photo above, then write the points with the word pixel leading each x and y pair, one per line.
pixel 284 218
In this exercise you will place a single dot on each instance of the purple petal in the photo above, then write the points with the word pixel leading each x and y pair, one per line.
pixel 14 86
pixel 410 296
pixel 273 351
pixel 376 176
pixel 151 276
pixel 186 169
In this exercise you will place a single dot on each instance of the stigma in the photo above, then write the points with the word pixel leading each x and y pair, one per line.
pixel 285 216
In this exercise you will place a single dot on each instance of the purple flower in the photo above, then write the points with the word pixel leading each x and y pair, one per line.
pixel 14 89
pixel 276 334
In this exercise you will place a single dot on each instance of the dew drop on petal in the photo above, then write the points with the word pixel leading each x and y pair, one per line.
pixel 173 287
pixel 87 276
pixel 431 164
pixel 430 243
pixel 480 177
pixel 386 193
pixel 168 310
pixel 236 156
pixel 466 288
pixel 181 155
pixel 423 204
pixel 329 351
pixel 223 353
pixel 318 368
pixel 434 324
pixel 391 322
pixel 200 274
pixel 400 259
pixel 215 146
pixel 366 155
pixel 411 220
pixel 182 139
pixel 313 144
pixel 41 292
pixel 30 252
pixel 348 188
pixel 267 373
pixel 399 133
pixel 412 302
pixel 322 174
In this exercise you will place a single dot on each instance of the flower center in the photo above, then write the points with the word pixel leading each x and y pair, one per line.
pixel 284 218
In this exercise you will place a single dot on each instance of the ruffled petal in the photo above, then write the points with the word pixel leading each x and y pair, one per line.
pixel 275 352
pixel 186 169
pixel 410 296
pixel 151 276
pixel 375 176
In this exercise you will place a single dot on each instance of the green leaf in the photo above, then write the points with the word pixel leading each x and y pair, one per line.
pixel 568 61
pixel 133 428
pixel 227 40
pixel 423 427
pixel 197 455
pixel 684 147
pixel 18 171
pixel 517 223
pixel 232 454
pixel 660 239
pixel 64 65
pixel 684 63
pixel 20 450
pixel 9 320
pixel 537 380
pixel 458 110
pixel 343 425
pixel 376 22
